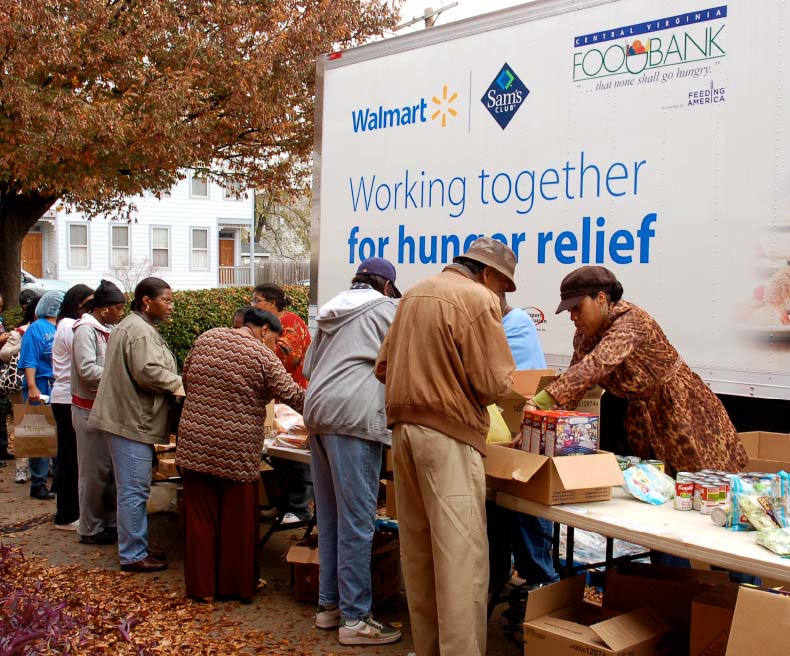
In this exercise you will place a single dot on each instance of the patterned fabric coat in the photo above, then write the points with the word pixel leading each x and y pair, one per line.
pixel 229 378
pixel 296 337
pixel 672 415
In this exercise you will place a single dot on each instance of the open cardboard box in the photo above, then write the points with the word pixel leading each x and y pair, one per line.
pixel 558 621
pixel 761 624
pixel 526 384
pixel 384 568
pixel 551 481
pixel 768 452
pixel 711 619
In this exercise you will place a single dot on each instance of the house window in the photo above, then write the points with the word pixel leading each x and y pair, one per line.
pixel 235 190
pixel 200 249
pixel 119 257
pixel 78 246
pixel 160 247
pixel 199 186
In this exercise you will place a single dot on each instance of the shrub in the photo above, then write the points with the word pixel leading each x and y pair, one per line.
pixel 196 311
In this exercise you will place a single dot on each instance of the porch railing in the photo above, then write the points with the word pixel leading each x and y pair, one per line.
pixel 235 276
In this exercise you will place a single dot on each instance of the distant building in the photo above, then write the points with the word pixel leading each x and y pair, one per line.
pixel 192 238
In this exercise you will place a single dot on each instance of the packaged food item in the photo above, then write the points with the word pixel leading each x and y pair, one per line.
pixel 648 484
pixel 780 499
pixel 754 508
pixel 658 464
pixel 719 515
pixel 741 486
pixel 570 434
pixel 776 539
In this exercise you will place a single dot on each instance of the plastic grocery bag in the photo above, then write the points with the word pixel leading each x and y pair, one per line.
pixel 780 499
pixel 648 484
pixel 777 540
pixel 498 431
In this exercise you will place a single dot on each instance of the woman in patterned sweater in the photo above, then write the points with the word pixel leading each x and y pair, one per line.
pixel 672 415
pixel 230 375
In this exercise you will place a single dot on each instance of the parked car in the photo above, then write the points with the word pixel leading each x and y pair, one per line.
pixel 39 286
pixel 305 282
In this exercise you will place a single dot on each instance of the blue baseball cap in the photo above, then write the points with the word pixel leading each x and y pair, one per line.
pixel 378 266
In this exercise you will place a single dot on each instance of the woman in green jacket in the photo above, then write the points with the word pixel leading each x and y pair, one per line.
pixel 132 405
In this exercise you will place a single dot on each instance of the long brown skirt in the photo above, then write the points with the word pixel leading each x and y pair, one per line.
pixel 221 536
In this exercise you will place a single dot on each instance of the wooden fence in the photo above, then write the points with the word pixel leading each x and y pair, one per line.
pixel 282 272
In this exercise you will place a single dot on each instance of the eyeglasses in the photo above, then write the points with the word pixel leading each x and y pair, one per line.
pixel 171 303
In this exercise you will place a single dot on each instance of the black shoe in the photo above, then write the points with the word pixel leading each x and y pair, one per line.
pixel 105 536
pixel 157 555
pixel 42 494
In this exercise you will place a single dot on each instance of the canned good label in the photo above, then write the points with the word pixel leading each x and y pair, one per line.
pixel 684 496
pixel 658 464
pixel 706 506
pixel 698 485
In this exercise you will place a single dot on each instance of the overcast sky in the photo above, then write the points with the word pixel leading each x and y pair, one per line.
pixel 465 9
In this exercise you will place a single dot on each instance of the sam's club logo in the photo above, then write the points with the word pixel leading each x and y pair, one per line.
pixel 505 95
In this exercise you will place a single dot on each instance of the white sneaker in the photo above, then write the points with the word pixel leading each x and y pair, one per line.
pixel 22 475
pixel 367 632
pixel 290 518
pixel 68 527
pixel 327 618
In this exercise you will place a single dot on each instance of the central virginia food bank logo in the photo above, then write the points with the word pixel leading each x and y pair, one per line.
pixel 368 119
pixel 505 95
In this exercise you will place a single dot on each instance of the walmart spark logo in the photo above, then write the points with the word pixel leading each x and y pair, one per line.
pixel 444 106
pixel 368 119
pixel 504 96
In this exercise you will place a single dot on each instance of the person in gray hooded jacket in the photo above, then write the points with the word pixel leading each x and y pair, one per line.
pixel 344 413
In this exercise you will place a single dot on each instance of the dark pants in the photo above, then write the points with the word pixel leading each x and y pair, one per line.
pixel 296 482
pixel 532 544
pixel 5 410
pixel 221 536
pixel 66 475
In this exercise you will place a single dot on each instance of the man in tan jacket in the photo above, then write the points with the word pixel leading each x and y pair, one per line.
pixel 443 361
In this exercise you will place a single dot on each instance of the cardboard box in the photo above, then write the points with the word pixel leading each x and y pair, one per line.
pixel 527 383
pixel 761 624
pixel 711 619
pixel 558 621
pixel 389 488
pixel 768 452
pixel 551 481
pixel 165 468
pixel 668 590
pixel 384 568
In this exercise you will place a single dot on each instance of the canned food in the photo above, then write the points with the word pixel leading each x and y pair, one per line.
pixel 697 497
pixel 658 464
pixel 719 515
pixel 684 495
pixel 706 507
pixel 684 476
pixel 634 460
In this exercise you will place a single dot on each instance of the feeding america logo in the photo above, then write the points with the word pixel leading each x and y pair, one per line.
pixel 504 96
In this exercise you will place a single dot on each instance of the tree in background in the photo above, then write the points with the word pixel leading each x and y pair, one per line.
pixel 103 99
pixel 283 223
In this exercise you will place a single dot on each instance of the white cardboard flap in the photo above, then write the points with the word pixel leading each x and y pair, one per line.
pixel 589 471
pixel 630 629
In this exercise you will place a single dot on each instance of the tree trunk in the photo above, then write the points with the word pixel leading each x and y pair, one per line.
pixel 18 213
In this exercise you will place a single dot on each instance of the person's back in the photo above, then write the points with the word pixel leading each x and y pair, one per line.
pixel 443 361
pixel 446 357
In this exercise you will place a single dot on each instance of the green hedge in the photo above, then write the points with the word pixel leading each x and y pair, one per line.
pixel 196 311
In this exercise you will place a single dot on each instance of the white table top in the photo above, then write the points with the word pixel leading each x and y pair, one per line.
pixel 681 533
pixel 288 453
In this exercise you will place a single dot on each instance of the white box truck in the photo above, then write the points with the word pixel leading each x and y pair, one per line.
pixel 648 136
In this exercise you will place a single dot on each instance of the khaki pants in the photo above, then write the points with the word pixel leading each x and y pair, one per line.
pixel 440 494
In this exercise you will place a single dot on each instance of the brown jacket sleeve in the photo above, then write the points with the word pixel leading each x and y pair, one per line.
pixel 586 371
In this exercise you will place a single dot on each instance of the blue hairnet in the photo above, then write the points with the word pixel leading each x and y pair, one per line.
pixel 49 305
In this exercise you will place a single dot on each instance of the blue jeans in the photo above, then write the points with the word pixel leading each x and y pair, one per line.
pixel 346 484
pixel 532 549
pixel 132 463
pixel 39 467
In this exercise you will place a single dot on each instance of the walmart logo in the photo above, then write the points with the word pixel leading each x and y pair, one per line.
pixel 504 96
pixel 368 119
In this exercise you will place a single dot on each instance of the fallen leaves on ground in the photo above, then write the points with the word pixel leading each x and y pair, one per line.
pixel 70 610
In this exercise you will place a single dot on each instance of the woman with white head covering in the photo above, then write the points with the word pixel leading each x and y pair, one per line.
pixel 35 359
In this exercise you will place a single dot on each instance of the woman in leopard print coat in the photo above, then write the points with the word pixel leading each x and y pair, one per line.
pixel 672 415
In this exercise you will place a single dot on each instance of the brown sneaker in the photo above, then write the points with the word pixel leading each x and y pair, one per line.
pixel 145 566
